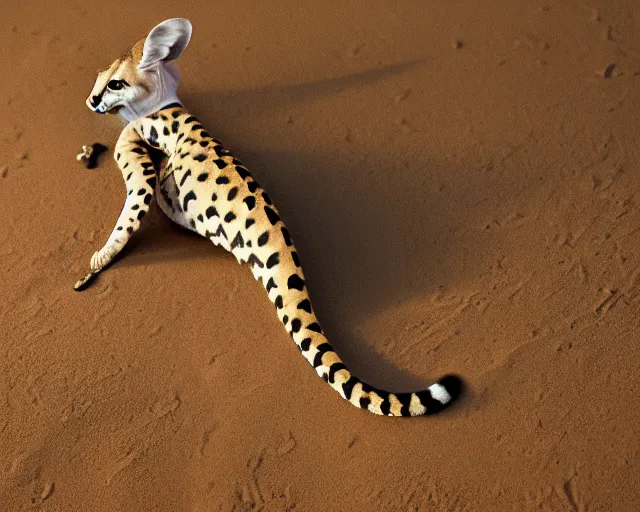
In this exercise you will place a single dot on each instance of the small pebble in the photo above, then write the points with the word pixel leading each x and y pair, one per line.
pixel 608 72
pixel 89 154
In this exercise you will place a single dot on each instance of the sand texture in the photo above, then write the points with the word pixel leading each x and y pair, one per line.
pixel 462 181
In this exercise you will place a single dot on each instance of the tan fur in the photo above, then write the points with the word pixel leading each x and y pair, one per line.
pixel 205 189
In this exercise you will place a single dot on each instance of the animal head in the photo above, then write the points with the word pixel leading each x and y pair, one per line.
pixel 143 80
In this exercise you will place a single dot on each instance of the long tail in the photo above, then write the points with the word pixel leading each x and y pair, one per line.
pixel 286 288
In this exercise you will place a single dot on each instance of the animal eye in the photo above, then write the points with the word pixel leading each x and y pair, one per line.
pixel 115 85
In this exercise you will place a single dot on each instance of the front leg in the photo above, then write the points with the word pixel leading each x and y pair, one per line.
pixel 139 175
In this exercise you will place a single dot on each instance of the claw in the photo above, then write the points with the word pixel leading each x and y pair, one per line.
pixel 99 261
pixel 85 281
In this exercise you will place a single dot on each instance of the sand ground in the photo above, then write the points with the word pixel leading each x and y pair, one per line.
pixel 461 179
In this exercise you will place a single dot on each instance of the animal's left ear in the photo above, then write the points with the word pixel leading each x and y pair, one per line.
pixel 166 41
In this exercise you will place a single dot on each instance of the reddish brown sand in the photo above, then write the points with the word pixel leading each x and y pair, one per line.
pixel 462 183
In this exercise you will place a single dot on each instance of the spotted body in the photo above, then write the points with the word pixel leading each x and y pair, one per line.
pixel 204 188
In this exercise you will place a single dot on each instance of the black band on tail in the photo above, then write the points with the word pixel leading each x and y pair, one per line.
pixel 452 384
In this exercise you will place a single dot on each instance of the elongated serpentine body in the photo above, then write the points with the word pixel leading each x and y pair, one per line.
pixel 205 189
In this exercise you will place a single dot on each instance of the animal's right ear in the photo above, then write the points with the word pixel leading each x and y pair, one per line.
pixel 166 41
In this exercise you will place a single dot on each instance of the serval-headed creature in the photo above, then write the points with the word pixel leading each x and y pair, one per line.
pixel 205 189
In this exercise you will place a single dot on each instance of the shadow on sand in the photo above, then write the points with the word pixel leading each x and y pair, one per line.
pixel 365 245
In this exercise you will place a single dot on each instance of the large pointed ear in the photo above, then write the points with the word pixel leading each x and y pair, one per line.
pixel 166 41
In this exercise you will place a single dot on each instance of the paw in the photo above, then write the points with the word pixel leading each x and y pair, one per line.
pixel 101 259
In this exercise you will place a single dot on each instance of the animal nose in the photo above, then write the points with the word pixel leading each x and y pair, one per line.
pixel 94 101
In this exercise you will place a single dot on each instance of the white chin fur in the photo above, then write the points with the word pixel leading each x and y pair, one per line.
pixel 439 393
pixel 165 85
